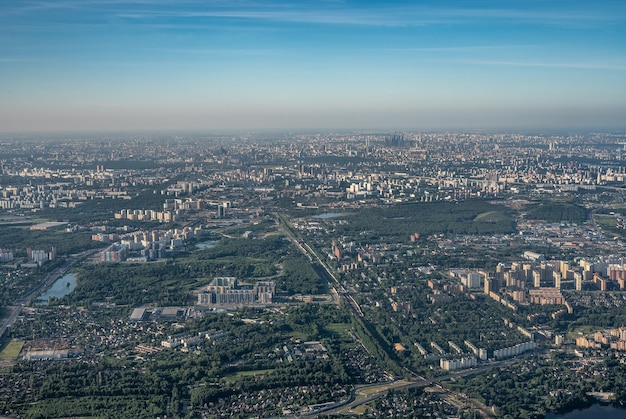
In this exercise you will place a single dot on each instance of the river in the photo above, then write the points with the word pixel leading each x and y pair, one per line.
pixel 595 411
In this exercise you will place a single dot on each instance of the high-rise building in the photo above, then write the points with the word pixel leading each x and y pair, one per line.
pixel 488 285
pixel 578 280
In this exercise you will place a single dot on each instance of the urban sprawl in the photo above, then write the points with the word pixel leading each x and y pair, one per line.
pixel 261 275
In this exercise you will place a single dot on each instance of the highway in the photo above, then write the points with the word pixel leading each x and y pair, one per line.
pixel 354 402
pixel 325 271
pixel 322 269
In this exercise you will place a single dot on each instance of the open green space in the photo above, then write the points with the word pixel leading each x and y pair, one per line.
pixel 359 410
pixel 608 223
pixel 118 406
pixel 259 229
pixel 582 331
pixel 538 385
pixel 11 350
pixel 18 239
pixel 402 220
pixel 491 216
pixel 339 328
pixel 249 373
pixel 171 282
pixel 248 359
pixel 557 211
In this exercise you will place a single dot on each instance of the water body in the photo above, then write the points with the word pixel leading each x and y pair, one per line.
pixel 61 287
pixel 328 215
pixel 207 245
pixel 595 411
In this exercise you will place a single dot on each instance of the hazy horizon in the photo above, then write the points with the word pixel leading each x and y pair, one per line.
pixel 108 65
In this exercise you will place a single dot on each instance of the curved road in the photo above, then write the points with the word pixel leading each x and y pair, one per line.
pixel 347 405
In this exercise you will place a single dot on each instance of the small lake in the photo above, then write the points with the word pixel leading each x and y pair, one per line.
pixel 328 215
pixel 595 411
pixel 61 287
pixel 207 245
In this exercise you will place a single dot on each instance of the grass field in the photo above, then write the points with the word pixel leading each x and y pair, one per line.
pixel 11 350
pixel 360 410
pixel 383 387
pixel 368 391
pixel 609 224
pixel 253 373
pixel 339 328
pixel 583 330
pixel 491 216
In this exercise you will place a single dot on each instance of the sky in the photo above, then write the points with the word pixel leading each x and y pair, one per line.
pixel 113 65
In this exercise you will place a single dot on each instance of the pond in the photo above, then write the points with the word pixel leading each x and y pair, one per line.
pixel 204 246
pixel 61 287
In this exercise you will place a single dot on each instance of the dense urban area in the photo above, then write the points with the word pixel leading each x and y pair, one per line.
pixel 312 275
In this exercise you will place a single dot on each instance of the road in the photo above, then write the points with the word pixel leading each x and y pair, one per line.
pixel 322 269
pixel 461 401
pixel 353 402
pixel 326 272
pixel 50 279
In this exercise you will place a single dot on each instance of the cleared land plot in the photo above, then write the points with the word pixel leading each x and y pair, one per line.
pixel 11 351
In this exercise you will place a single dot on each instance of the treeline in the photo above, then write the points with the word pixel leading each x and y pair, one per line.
pixel 256 258
pixel 169 282
pixel 299 277
pixel 18 239
pixel 163 384
pixel 242 258
pixel 376 346
pixel 257 248
pixel 558 212
pixel 74 389
pixel 312 319
pixel 97 210
pixel 165 284
pixel 113 407
pixel 528 390
pixel 15 286
pixel 480 321
pixel 399 221
pixel 606 317
pixel 324 373
pixel 613 380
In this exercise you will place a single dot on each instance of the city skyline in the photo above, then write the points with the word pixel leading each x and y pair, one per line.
pixel 107 65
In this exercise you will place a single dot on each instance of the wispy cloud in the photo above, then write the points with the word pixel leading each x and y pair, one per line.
pixel 462 48
pixel 285 16
pixel 16 60
pixel 222 51
pixel 51 27
pixel 385 16
pixel 535 15
pixel 570 65
pixel 326 12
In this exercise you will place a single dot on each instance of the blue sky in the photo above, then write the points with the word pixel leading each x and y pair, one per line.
pixel 213 65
